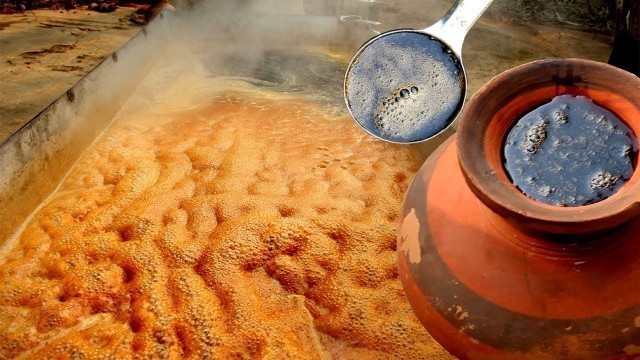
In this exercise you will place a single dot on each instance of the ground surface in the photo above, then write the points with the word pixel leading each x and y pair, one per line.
pixel 45 52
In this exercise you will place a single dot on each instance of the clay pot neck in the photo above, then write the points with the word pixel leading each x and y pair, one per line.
pixel 492 112
pixel 559 245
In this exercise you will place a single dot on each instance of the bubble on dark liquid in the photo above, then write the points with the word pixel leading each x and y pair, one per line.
pixel 582 156
pixel 535 136
pixel 604 180
pixel 560 116
pixel 546 190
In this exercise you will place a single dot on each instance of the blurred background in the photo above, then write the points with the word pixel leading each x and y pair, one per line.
pixel 46 46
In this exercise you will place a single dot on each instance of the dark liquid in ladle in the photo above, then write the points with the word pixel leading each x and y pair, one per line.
pixel 405 87
pixel 570 152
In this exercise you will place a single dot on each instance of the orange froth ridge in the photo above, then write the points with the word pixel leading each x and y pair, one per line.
pixel 243 229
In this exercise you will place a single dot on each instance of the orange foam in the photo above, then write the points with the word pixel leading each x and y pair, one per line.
pixel 243 229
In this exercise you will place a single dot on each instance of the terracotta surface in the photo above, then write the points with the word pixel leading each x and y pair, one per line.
pixel 481 281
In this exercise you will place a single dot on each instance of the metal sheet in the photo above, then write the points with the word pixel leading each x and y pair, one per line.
pixel 36 158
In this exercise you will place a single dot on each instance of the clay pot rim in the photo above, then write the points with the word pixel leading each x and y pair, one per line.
pixel 488 180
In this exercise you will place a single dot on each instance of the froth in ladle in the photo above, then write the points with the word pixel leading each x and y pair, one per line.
pixel 405 86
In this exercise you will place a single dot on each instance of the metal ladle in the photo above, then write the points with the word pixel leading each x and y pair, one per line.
pixel 407 86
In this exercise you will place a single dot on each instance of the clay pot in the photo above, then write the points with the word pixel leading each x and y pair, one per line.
pixel 493 274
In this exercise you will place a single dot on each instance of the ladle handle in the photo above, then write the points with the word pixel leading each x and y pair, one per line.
pixel 457 22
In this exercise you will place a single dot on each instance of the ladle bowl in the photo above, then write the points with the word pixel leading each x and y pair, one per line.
pixel 407 86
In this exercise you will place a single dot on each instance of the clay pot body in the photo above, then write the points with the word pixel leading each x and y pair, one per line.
pixel 493 274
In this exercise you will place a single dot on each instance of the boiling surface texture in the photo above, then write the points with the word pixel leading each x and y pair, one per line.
pixel 255 226
pixel 405 87
pixel 290 71
pixel 570 152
